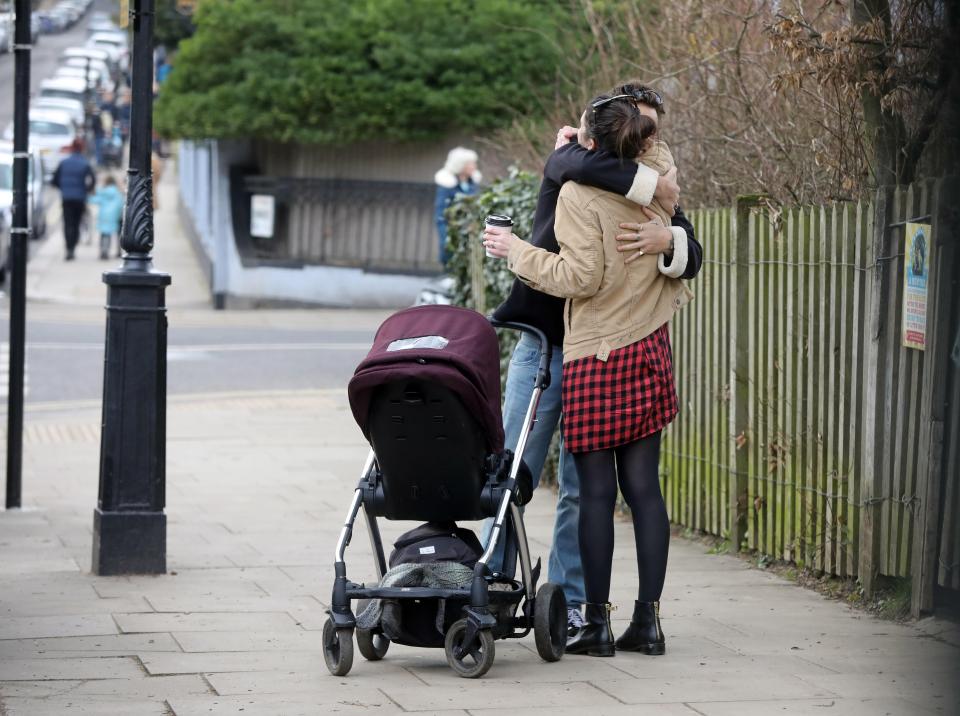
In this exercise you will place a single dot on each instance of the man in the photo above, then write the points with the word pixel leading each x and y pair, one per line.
pixel 572 162
pixel 75 180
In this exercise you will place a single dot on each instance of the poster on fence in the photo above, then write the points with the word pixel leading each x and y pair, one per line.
pixel 916 270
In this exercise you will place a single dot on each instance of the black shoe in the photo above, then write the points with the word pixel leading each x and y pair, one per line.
pixel 595 638
pixel 644 633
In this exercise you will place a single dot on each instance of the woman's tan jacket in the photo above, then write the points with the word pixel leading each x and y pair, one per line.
pixel 610 303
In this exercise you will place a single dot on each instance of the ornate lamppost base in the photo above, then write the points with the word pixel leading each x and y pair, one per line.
pixel 129 526
pixel 129 543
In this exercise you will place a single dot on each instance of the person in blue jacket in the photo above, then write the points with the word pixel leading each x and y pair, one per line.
pixel 109 199
pixel 458 176
pixel 75 180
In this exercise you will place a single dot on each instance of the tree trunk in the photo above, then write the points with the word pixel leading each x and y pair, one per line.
pixel 884 130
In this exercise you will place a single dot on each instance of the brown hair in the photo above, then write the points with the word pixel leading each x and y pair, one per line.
pixel 618 126
pixel 644 94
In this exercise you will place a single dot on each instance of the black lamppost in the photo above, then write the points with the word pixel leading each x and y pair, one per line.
pixel 129 526
pixel 18 253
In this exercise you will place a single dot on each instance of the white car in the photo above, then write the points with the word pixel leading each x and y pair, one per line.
pixel 37 213
pixel 70 106
pixel 5 220
pixel 6 36
pixel 97 25
pixel 52 132
pixel 94 53
pixel 67 87
pixel 99 65
pixel 113 42
pixel 94 79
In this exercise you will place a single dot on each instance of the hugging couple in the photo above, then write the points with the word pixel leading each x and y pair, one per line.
pixel 601 276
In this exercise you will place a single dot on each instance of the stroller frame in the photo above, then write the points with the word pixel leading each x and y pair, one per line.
pixel 544 611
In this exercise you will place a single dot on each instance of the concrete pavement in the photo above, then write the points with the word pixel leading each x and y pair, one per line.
pixel 258 483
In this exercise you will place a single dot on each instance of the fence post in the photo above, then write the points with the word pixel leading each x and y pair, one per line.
pixel 740 332
pixel 878 301
pixel 942 283
pixel 478 279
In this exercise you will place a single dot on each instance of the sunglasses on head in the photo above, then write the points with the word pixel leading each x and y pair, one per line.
pixel 600 102
pixel 647 96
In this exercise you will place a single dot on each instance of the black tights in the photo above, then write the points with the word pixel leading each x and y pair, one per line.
pixel 636 466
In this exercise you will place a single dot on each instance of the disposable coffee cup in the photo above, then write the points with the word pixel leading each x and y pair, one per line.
pixel 499 220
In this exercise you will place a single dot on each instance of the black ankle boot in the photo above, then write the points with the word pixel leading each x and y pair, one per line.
pixel 595 637
pixel 644 633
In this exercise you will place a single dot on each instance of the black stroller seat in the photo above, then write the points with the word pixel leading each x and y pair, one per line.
pixel 431 453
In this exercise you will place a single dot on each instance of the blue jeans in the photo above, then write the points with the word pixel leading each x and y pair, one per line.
pixel 564 566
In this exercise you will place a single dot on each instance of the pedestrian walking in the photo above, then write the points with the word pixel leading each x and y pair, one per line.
pixel 75 180
pixel 458 176
pixel 617 391
pixel 109 201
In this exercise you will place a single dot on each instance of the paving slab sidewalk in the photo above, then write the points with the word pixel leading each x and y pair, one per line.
pixel 258 484
pixel 256 492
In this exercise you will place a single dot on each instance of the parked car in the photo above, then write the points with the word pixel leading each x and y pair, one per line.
pixel 6 219
pixel 437 291
pixel 94 53
pixel 52 132
pixel 36 197
pixel 6 36
pixel 69 87
pixel 99 66
pixel 97 25
pixel 94 80
pixel 48 25
pixel 113 42
pixel 62 18
pixel 70 13
pixel 71 106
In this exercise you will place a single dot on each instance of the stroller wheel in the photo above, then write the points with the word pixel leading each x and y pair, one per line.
pixel 373 645
pixel 337 649
pixel 476 659
pixel 550 622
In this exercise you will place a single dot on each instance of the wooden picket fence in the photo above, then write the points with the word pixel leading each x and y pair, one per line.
pixel 807 432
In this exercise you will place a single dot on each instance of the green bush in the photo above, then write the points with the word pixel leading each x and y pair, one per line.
pixel 515 196
pixel 343 71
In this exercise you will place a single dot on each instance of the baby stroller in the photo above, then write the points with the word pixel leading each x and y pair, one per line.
pixel 427 397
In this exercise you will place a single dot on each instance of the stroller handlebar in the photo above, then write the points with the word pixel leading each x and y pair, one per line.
pixel 546 350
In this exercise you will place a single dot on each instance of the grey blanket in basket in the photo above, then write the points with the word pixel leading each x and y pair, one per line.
pixel 434 575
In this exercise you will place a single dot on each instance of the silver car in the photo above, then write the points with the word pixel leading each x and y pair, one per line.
pixel 71 106
pixel 36 197
pixel 52 133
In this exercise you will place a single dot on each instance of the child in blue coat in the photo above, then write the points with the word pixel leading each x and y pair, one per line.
pixel 110 201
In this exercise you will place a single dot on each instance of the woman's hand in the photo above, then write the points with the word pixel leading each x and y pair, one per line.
pixel 564 136
pixel 497 240
pixel 651 237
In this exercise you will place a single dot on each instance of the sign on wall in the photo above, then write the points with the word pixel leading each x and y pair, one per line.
pixel 916 270
pixel 262 209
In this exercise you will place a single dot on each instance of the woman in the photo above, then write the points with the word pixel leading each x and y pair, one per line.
pixel 618 391
pixel 458 176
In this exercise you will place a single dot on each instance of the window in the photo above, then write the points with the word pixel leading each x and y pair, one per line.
pixel 48 129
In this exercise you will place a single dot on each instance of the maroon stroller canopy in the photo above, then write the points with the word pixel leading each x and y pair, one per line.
pixel 456 347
